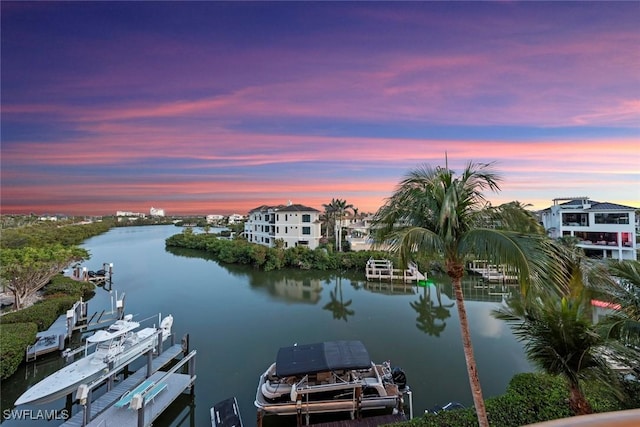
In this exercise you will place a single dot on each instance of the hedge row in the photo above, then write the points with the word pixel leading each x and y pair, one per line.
pixel 14 339
pixel 532 398
pixel 43 313
pixel 18 329
pixel 240 251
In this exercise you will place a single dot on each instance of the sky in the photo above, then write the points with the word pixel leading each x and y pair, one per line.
pixel 221 107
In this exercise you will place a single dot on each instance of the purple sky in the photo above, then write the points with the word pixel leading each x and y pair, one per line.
pixel 219 107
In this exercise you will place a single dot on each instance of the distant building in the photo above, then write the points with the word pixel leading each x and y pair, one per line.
pixel 603 229
pixel 235 218
pixel 130 214
pixel 211 219
pixel 295 225
pixel 156 211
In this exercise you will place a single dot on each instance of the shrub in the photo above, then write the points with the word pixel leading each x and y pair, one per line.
pixel 42 313
pixel 65 286
pixel 14 339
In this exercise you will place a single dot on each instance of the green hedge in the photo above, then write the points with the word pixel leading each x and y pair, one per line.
pixel 63 285
pixel 532 398
pixel 43 313
pixel 14 339
pixel 240 251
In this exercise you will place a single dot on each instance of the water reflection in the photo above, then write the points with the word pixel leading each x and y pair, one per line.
pixel 337 305
pixel 431 317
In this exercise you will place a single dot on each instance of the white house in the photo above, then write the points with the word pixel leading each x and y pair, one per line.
pixel 235 218
pixel 604 230
pixel 156 211
pixel 295 225
pixel 214 218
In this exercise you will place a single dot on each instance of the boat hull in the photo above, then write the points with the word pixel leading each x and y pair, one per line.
pixel 342 397
pixel 84 371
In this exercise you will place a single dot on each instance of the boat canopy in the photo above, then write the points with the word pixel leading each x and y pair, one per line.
pixel 322 357
pixel 119 328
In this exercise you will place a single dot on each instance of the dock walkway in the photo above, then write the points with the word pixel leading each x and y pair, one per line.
pixel 103 411
pixel 382 269
pixel 492 273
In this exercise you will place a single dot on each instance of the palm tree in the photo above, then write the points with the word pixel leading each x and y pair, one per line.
pixel 558 330
pixel 560 338
pixel 622 325
pixel 337 208
pixel 438 213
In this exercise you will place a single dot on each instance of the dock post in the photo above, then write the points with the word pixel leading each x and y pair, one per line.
pixel 192 373
pixel 111 377
pixel 149 363
pixel 185 344
pixel 159 342
pixel 259 417
pixel 299 413
pixel 87 407
pixel 141 416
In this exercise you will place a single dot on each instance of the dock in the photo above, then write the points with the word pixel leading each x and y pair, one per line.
pixel 140 398
pixel 492 273
pixel 382 270
pixel 365 422
pixel 76 318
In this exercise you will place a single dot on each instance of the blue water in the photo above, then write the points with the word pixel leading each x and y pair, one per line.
pixel 237 317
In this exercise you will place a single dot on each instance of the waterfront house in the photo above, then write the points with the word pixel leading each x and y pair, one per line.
pixel 294 224
pixel 603 229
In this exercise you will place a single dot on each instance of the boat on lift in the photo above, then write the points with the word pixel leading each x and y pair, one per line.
pixel 115 347
pixel 333 376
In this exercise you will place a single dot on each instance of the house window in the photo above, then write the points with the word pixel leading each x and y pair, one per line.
pixel 306 218
pixel 286 230
pixel 306 230
pixel 612 218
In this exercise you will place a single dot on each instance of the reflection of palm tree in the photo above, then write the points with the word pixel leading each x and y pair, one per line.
pixel 431 318
pixel 337 306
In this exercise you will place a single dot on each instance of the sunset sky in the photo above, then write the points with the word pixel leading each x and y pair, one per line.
pixel 219 107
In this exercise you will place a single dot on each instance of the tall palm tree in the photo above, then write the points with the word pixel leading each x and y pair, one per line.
pixel 339 207
pixel 436 212
pixel 330 217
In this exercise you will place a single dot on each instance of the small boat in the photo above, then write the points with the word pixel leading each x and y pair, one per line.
pixel 226 414
pixel 333 376
pixel 115 347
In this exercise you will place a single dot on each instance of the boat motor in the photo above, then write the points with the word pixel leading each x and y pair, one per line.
pixel 399 378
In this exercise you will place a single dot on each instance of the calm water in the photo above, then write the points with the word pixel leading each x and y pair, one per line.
pixel 238 317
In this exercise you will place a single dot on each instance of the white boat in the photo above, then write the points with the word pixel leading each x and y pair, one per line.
pixel 115 347
pixel 334 376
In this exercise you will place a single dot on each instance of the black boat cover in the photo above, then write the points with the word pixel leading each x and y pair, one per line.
pixel 321 357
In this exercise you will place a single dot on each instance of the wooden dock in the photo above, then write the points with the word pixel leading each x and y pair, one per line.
pixel 145 407
pixel 382 270
pixel 492 273
pixel 366 421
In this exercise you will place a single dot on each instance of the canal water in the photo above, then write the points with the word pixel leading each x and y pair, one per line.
pixel 237 317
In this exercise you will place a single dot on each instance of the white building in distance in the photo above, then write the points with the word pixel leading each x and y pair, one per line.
pixel 156 211
pixel 235 218
pixel 214 218
pixel 604 230
pixel 130 214
pixel 294 224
